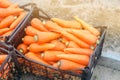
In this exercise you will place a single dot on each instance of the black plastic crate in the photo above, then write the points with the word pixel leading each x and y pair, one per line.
pixel 8 69
pixel 17 36
pixel 4 40
pixel 45 72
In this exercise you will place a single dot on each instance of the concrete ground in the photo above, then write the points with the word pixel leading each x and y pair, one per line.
pixel 96 13
pixel 105 73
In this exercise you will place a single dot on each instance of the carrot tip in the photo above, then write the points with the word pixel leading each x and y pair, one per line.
pixel 43 21
pixel 75 17
pixel 92 47
pixel 22 39
pixel 42 55
pixel 60 39
pixel 21 50
pixel 15 17
pixel 98 41
pixel 35 38
pixel 25 29
pixel 67 43
pixel 98 37
pixel 59 63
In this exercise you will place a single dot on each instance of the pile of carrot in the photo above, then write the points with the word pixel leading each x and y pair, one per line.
pixel 10 16
pixel 63 44
pixel 2 59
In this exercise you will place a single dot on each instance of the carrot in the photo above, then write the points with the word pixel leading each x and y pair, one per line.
pixel 28 40
pixel 75 39
pixel 5 3
pixel 18 20
pixel 4 30
pixel 63 40
pixel 67 24
pixel 6 22
pixel 43 37
pixel 88 38
pixel 10 11
pixel 31 31
pixel 34 47
pixel 85 31
pixel 67 65
pixel 87 26
pixel 36 23
pixel 58 45
pixel 7 33
pixel 51 26
pixel 51 55
pixel 1 19
pixel 80 51
pixel 2 58
pixel 14 5
pixel 51 62
pixel 71 44
pixel 81 59
pixel 22 48
pixel 5 71
pixel 81 30
pixel 34 57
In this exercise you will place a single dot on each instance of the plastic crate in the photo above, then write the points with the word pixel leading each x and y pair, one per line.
pixel 45 72
pixel 8 69
pixel 6 42
pixel 6 38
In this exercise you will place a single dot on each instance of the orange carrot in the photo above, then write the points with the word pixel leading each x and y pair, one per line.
pixel 51 26
pixel 58 45
pixel 18 20
pixel 36 23
pixel 1 19
pixel 81 30
pixel 81 51
pixel 67 65
pixel 67 24
pixel 88 38
pixel 28 40
pixel 85 31
pixel 6 69
pixel 71 44
pixel 2 58
pixel 4 30
pixel 51 62
pixel 81 59
pixel 6 22
pixel 4 3
pixel 34 57
pixel 7 33
pixel 63 40
pixel 51 55
pixel 75 39
pixel 34 47
pixel 31 31
pixel 22 48
pixel 14 5
pixel 43 37
pixel 10 11
pixel 87 26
